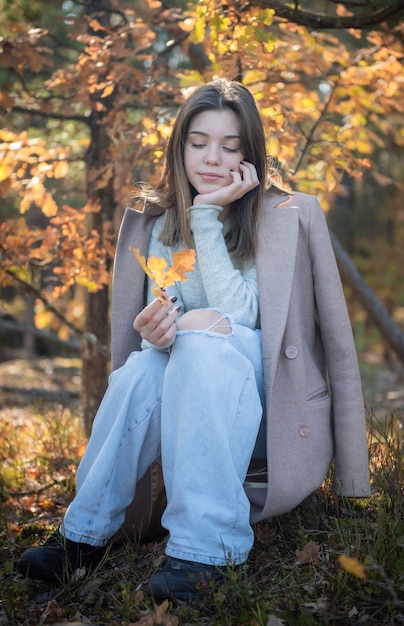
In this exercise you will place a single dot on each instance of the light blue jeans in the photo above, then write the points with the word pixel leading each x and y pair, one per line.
pixel 200 409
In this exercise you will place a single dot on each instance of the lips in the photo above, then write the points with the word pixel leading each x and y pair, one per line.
pixel 210 176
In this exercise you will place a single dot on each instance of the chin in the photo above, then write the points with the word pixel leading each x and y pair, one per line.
pixel 209 189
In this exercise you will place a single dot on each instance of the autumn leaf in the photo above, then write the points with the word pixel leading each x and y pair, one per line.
pixel 157 616
pixel 51 612
pixel 183 262
pixel 96 26
pixel 265 533
pixel 309 553
pixel 163 276
pixel 108 90
pixel 49 206
pixel 60 169
pixel 352 565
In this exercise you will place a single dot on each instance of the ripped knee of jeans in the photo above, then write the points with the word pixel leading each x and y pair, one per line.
pixel 204 320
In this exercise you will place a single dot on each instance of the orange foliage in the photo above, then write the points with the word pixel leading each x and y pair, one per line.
pixel 326 106
pixel 163 276
pixel 65 244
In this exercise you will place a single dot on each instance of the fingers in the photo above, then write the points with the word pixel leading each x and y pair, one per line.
pixel 156 322
pixel 249 174
pixel 244 180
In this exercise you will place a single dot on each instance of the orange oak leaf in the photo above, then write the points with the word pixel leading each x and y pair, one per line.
pixel 160 274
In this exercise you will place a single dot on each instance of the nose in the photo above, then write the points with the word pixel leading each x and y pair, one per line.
pixel 212 156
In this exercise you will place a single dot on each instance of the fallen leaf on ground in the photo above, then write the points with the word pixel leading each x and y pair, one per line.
pixel 51 613
pixel 309 553
pixel 157 616
pixel 352 565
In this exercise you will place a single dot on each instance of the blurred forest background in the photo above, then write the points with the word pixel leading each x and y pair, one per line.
pixel 89 90
pixel 88 93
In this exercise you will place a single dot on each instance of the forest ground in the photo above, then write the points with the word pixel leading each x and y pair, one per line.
pixel 294 575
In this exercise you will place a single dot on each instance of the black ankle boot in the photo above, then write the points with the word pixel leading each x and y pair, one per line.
pixel 58 558
pixel 185 580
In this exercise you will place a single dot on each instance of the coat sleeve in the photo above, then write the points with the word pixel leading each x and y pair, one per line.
pixel 128 285
pixel 351 475
pixel 143 516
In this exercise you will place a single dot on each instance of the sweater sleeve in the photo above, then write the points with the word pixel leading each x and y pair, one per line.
pixel 227 288
pixel 156 248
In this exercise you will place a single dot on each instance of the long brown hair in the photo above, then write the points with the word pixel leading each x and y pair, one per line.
pixel 174 192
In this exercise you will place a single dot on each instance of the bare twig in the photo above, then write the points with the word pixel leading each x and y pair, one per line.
pixel 84 336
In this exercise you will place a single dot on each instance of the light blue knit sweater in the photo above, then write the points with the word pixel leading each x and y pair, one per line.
pixel 217 281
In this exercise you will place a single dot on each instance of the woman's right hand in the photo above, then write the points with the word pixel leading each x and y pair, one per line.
pixel 243 181
pixel 156 322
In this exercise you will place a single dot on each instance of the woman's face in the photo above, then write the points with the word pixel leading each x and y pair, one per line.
pixel 212 149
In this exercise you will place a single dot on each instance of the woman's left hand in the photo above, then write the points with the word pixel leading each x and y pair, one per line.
pixel 156 323
pixel 244 181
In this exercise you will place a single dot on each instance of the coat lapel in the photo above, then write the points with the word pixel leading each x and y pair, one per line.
pixel 275 260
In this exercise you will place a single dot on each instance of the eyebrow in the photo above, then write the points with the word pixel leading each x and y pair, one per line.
pixel 200 132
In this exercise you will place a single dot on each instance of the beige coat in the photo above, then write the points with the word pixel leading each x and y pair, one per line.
pixel 315 410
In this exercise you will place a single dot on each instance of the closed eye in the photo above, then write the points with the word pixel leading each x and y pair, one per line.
pixel 203 145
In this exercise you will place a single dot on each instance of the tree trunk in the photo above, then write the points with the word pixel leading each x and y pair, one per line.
pixel 389 330
pixel 95 363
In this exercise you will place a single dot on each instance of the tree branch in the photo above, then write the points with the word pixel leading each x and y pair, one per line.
pixel 310 137
pixel 55 116
pixel 367 18
pixel 390 331
pixel 19 328
pixel 84 336
pixel 36 492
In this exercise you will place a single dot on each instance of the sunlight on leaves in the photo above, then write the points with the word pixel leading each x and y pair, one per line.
pixel 49 206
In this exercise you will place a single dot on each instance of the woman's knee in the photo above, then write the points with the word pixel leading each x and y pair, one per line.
pixel 204 319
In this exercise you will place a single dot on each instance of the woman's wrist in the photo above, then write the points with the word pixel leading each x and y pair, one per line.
pixel 165 348
pixel 205 217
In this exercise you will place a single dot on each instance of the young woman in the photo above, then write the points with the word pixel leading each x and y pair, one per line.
pixel 250 359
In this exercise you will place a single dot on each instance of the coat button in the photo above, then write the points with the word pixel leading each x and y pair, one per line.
pixel 304 431
pixel 291 352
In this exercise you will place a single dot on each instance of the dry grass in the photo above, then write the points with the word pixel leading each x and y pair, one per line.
pixel 293 576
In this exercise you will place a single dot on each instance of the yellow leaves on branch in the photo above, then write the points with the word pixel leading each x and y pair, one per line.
pixel 75 255
pixel 84 255
pixel 26 166
pixel 43 199
pixel 163 276
pixel 25 52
